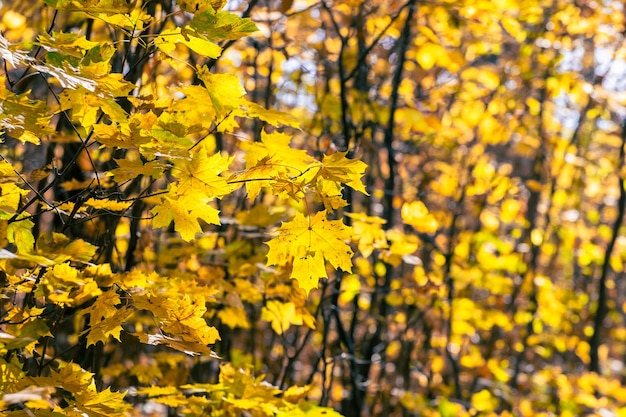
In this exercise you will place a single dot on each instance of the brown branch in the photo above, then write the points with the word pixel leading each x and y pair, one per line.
pixel 602 309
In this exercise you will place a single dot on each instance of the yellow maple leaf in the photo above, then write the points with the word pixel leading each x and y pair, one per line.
pixel 368 232
pixel 260 215
pixel 280 315
pixel 428 54
pixel 101 330
pixel 330 193
pixel 185 212
pixel 186 320
pixel 192 6
pixel 103 403
pixel 483 401
pixel 167 40
pixel 106 204
pixel 188 347
pixel 273 117
pixel 337 167
pixel 201 174
pixel 276 147
pixel 234 317
pixel 308 269
pixel 225 90
pixel 308 242
pixel 129 169
pixel 270 160
pixel 416 214
pixel 20 233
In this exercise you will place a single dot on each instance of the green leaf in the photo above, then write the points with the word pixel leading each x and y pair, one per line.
pixel 20 233
pixel 222 25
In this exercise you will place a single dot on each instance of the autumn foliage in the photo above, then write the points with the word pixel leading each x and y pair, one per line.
pixel 312 208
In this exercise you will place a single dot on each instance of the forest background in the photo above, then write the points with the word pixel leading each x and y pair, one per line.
pixel 311 207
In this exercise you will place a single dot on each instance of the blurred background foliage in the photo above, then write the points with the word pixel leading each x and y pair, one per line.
pixel 489 248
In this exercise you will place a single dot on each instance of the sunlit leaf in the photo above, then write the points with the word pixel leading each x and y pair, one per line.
pixel 102 6
pixel 416 214
pixel 337 167
pixel 193 6
pixel 280 315
pixel 308 242
pixel 222 24
pixel 428 54
pixel 185 212
pixel 20 234
pixel 169 38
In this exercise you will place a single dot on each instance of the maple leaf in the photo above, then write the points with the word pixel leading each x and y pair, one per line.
pixel 23 118
pixel 167 40
pixel 275 147
pixel 128 169
pixel 181 320
pixel 273 117
pixel 270 161
pixel 225 90
pixel 368 232
pixel 7 170
pixel 104 403
pixel 280 315
pixel 105 318
pixel 27 332
pixel 255 178
pixel 201 174
pixel 20 233
pixel 133 21
pixel 84 106
pixel 308 242
pixel 103 328
pixel 416 214
pixel 221 25
pixel 336 167
pixel 189 347
pixel 186 320
pixel 330 193
pixel 103 6
pixel 106 204
pixel 185 212
pixel 11 198
pixel 88 290
pixel 194 6
pixel 195 110
pixel 61 248
pixel 234 317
